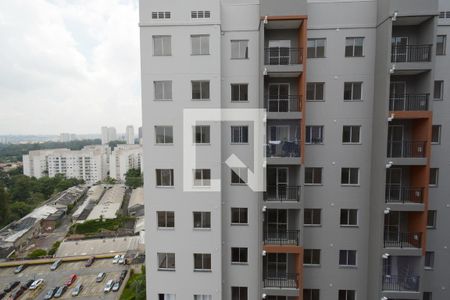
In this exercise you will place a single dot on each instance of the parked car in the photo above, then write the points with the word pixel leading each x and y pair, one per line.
pixel 19 269
pixel 50 293
pixel 15 295
pixel 108 286
pixel 36 284
pixel 71 280
pixel 100 277
pixel 123 274
pixel 77 290
pixel 29 283
pixel 90 261
pixel 121 259
pixel 56 264
pixel 116 286
pixel 61 290
pixel 11 286
pixel 116 259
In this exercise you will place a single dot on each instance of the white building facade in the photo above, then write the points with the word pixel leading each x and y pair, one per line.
pixel 124 158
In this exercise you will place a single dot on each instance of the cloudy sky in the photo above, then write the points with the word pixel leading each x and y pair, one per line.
pixel 68 66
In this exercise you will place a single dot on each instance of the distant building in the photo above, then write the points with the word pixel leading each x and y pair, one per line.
pixel 35 162
pixel 67 137
pixel 105 136
pixel 124 158
pixel 108 134
pixel 129 135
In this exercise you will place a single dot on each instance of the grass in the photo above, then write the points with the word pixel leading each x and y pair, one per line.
pixel 135 288
pixel 97 226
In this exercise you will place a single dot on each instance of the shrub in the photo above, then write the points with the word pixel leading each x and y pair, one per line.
pixel 37 253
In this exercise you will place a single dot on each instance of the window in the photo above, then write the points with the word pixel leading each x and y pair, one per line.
pixel 166 219
pixel 202 262
pixel 200 90
pixel 311 294
pixel 352 91
pixel 200 44
pixel 202 219
pixel 202 134
pixel 315 91
pixel 427 296
pixel 164 134
pixel 314 135
pixel 164 177
pixel 313 175
pixel 349 176
pixel 202 297
pixel 429 260
pixel 438 90
pixel 354 46
pixel 238 176
pixel 163 90
pixel 431 219
pixel 166 296
pixel 239 134
pixel 347 258
pixel 351 134
pixel 436 134
pixel 316 48
pixel 441 16
pixel 162 45
pixel 441 44
pixel 311 257
pixel 347 295
pixel 239 255
pixel 200 14
pixel 239 293
pixel 160 14
pixel 239 49
pixel 166 261
pixel 239 92
pixel 349 217
pixel 312 216
pixel 202 177
pixel 434 176
pixel 239 215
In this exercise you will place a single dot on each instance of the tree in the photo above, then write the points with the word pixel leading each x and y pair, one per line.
pixel 134 179
pixel 4 206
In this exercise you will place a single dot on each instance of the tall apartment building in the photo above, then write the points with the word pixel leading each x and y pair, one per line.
pixel 123 158
pixel 129 135
pixel 108 134
pixel 352 207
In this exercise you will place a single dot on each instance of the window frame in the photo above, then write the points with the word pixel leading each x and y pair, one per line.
pixel 352 92
pixel 353 46
pixel 203 132
pixel 429 260
pixel 351 134
pixel 309 139
pixel 240 49
pixel 205 220
pixel 204 87
pixel 348 212
pixel 315 86
pixel 203 180
pixel 242 254
pixel 167 259
pixel 239 87
pixel 315 213
pixel 240 289
pixel 348 258
pixel 163 46
pixel 201 51
pixel 349 176
pixel 315 47
pixel 238 138
pixel 441 90
pixel 314 294
pixel 165 136
pixel 352 295
pixel 313 175
pixel 431 219
pixel 439 134
pixel 165 224
pixel 242 180
pixel 204 262
pixel 314 257
pixel 161 176
pixel 434 182
pixel 444 45
pixel 240 211
pixel 161 83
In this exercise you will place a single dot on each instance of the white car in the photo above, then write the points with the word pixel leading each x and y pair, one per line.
pixel 108 286
pixel 122 259
pixel 116 259
pixel 36 284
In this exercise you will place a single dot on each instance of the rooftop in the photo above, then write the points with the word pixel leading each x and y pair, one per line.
pixel 98 246
pixel 109 204
pixel 137 198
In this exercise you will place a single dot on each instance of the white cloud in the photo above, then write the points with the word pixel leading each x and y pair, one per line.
pixel 68 66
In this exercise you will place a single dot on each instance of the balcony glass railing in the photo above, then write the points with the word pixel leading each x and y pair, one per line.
pixel 281 280
pixel 282 193
pixel 404 194
pixel 409 102
pixel 282 237
pixel 406 149
pixel 400 283
pixel 286 103
pixel 411 53
pixel 282 56
pixel 403 240
pixel 285 148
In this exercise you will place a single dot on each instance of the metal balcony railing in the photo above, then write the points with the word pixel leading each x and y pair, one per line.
pixel 404 194
pixel 282 193
pixel 406 149
pixel 282 237
pixel 281 280
pixel 411 53
pixel 283 56
pixel 403 240
pixel 409 102
pixel 287 103
pixel 289 148
pixel 400 283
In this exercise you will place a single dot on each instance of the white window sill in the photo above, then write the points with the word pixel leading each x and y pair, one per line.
pixel 165 187
pixel 239 224
pixel 202 229
pixel 166 228
pixel 235 263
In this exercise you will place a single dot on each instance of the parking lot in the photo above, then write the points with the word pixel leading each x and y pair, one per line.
pixel 86 276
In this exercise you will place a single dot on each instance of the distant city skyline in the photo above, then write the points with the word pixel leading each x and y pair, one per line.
pixel 83 72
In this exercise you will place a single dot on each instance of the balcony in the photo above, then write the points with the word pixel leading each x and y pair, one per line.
pixel 282 193
pixel 406 149
pixel 400 283
pixel 411 53
pixel 405 195
pixel 283 152
pixel 410 240
pixel 285 237
pixel 283 106
pixel 409 102
pixel 283 61
pixel 281 280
